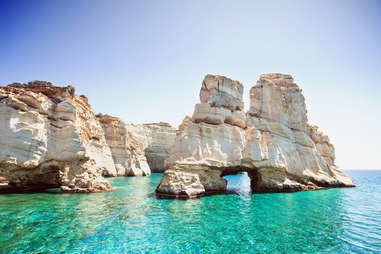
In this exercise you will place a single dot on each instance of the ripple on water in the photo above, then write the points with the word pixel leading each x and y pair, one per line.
pixel 131 220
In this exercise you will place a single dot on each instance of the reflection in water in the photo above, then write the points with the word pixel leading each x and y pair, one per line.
pixel 129 219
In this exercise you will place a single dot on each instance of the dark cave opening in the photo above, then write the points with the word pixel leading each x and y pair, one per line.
pixel 40 179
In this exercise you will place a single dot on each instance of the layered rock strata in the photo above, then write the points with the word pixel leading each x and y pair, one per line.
pixel 273 142
pixel 159 139
pixel 137 149
pixel 49 137
pixel 126 149
pixel 156 139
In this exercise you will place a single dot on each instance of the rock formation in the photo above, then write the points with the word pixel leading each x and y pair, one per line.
pixel 49 137
pixel 127 150
pixel 137 149
pixel 159 139
pixel 273 142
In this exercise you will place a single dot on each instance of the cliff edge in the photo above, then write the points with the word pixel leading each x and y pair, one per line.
pixel 49 138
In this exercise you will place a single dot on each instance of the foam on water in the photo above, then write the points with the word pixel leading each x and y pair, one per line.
pixel 131 220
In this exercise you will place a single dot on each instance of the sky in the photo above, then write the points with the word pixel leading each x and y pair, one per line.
pixel 144 61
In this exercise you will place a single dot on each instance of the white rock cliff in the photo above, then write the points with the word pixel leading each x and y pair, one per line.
pixel 127 151
pixel 159 139
pixel 273 142
pixel 50 138
pixel 137 149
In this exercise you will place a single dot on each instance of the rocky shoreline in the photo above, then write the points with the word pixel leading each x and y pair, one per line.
pixel 50 138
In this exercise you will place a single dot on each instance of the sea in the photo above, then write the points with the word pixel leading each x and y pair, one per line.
pixel 132 220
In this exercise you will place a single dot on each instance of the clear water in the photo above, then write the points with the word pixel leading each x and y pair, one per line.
pixel 129 220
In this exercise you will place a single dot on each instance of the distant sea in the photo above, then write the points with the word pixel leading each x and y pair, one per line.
pixel 131 220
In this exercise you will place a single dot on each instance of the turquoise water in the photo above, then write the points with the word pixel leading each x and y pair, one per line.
pixel 130 220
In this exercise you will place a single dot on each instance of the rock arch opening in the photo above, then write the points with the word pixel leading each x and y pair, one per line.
pixel 238 183
pixel 241 181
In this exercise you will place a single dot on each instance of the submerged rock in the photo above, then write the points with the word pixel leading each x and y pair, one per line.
pixel 273 142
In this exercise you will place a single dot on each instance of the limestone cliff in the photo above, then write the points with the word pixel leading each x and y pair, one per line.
pixel 127 150
pixel 273 142
pixel 160 138
pixel 156 140
pixel 49 137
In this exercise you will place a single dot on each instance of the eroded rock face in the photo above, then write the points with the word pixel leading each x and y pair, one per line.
pixel 156 139
pixel 273 142
pixel 221 102
pixel 127 150
pixel 159 140
pixel 137 149
pixel 49 137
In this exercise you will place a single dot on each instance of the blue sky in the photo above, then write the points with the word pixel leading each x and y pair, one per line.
pixel 144 60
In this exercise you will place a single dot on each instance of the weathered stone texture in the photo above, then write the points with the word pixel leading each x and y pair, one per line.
pixel 273 142
pixel 49 137
pixel 127 150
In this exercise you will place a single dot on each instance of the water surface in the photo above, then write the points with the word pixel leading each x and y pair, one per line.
pixel 130 220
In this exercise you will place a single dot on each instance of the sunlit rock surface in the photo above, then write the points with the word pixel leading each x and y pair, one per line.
pixel 156 140
pixel 159 140
pixel 137 149
pixel 49 137
pixel 273 142
pixel 126 149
